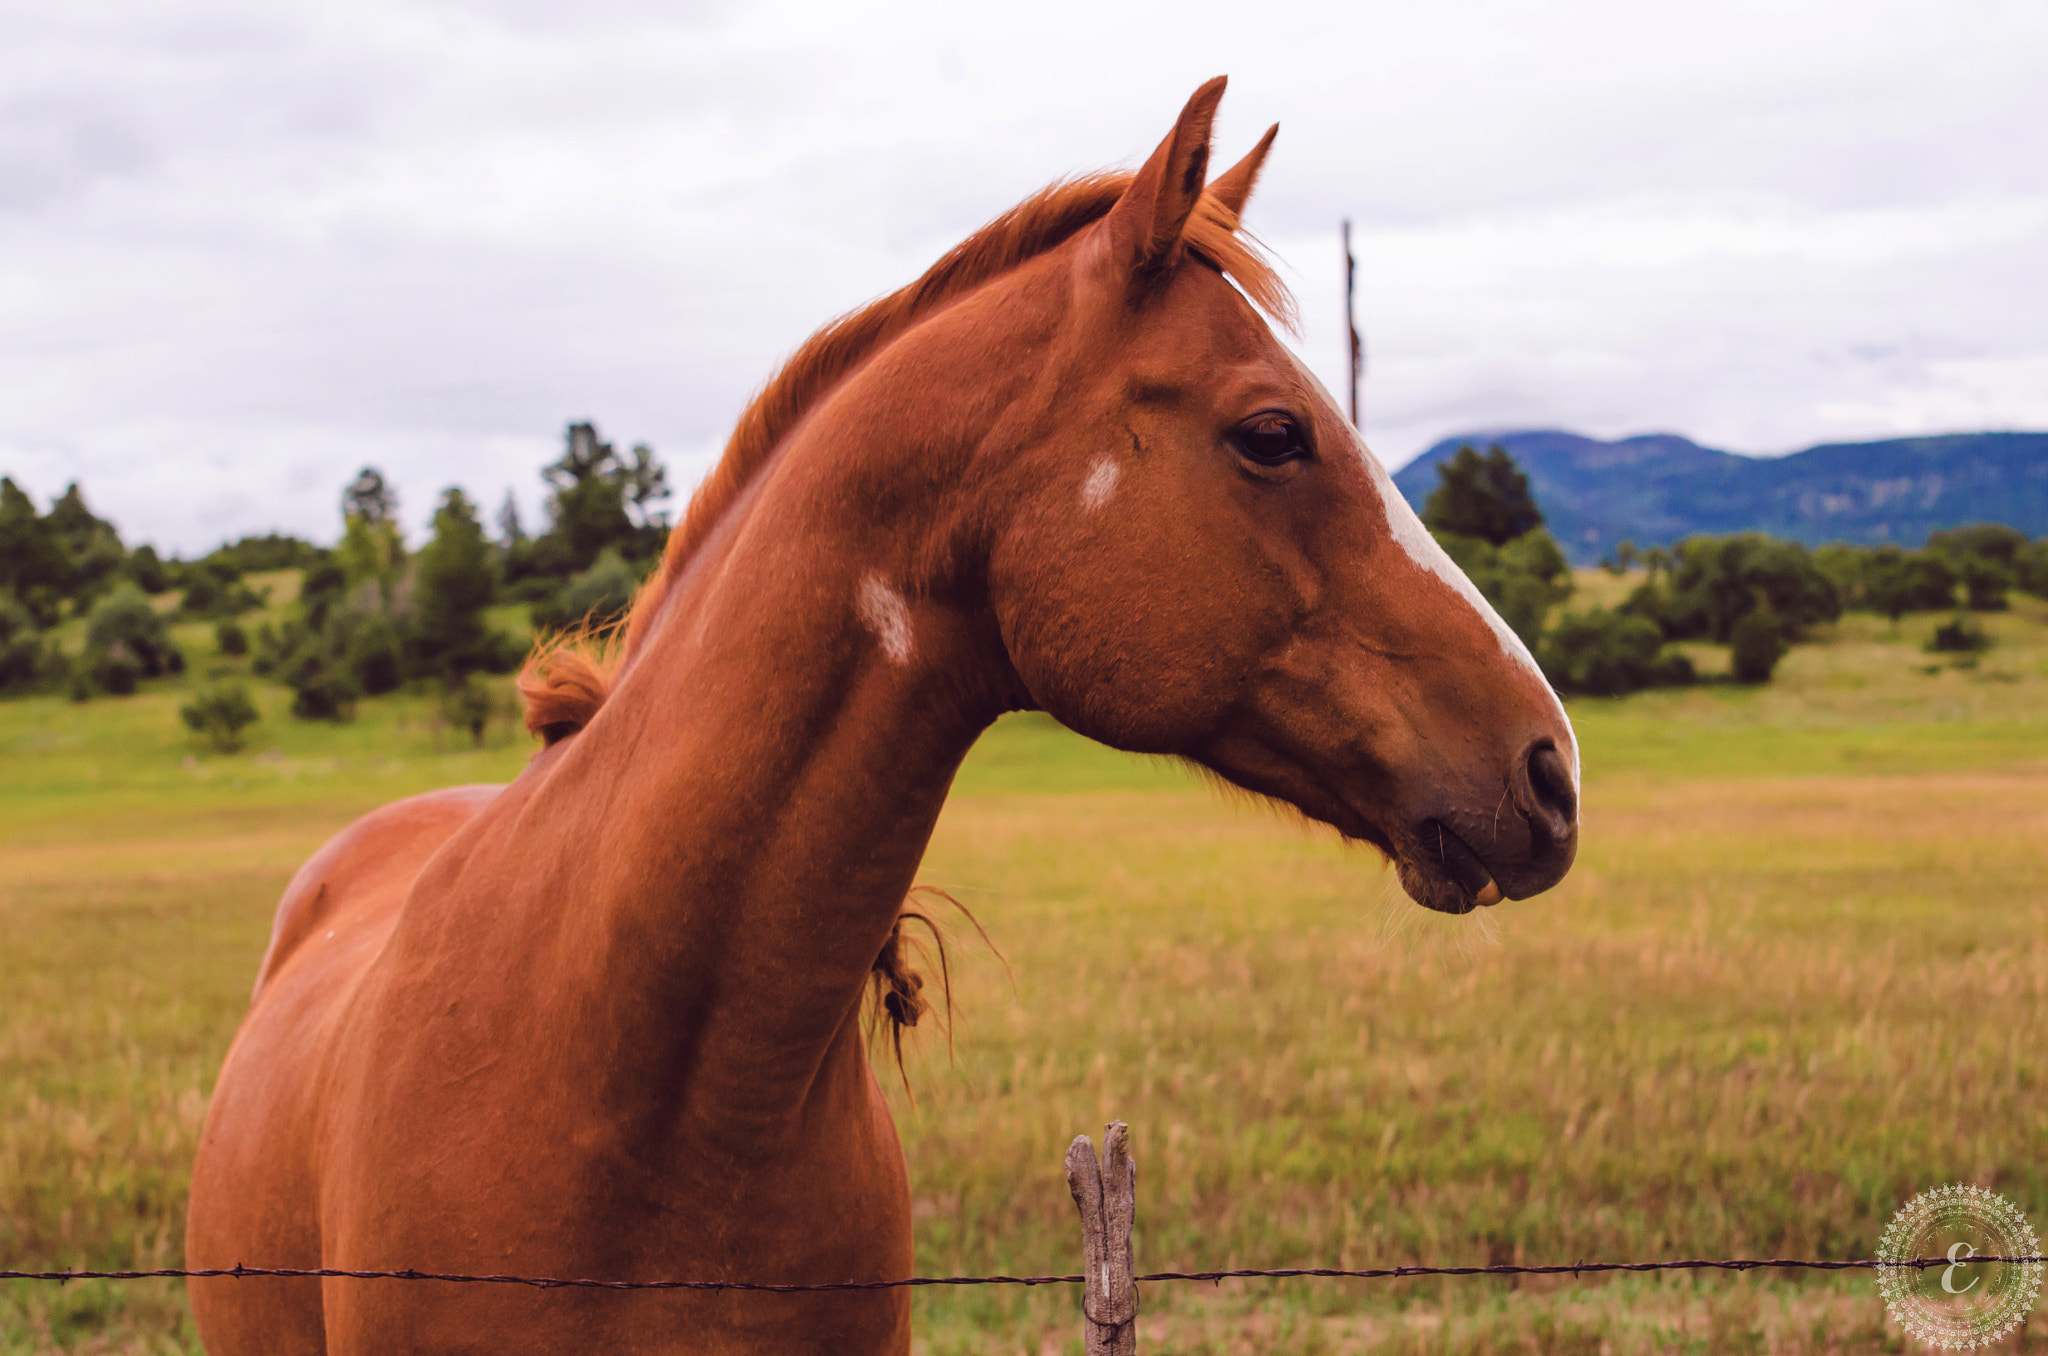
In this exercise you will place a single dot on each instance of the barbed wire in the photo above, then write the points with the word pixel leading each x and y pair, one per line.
pixel 1738 1264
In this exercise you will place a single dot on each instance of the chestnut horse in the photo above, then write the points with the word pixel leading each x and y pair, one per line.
pixel 605 1021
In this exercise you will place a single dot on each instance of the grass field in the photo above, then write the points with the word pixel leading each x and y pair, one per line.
pixel 1797 975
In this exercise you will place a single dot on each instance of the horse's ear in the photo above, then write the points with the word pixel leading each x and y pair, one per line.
pixel 1233 187
pixel 1145 226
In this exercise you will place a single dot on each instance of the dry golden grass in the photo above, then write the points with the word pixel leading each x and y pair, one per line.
pixel 1797 975
pixel 1758 1016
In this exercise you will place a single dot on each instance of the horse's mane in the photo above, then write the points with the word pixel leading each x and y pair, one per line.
pixel 569 675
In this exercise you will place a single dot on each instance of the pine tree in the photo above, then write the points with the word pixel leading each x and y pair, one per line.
pixel 1484 497
pixel 371 547
pixel 453 585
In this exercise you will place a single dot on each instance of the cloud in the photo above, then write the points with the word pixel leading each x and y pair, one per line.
pixel 247 248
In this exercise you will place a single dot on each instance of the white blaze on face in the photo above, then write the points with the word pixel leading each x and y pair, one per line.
pixel 883 611
pixel 1412 537
pixel 1100 485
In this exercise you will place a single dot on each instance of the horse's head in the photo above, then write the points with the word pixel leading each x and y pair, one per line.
pixel 1199 556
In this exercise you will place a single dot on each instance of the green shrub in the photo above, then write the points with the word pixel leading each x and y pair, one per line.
pixel 1990 541
pixel 322 590
pixel 126 640
pixel 219 712
pixel 213 590
pixel 231 638
pixel 1717 581
pixel 376 654
pixel 1985 582
pixel 466 705
pixel 1848 569
pixel 1605 654
pixel 1523 579
pixel 147 569
pixel 22 661
pixel 1755 646
pixel 2030 569
pixel 1898 582
pixel 323 687
pixel 116 672
pixel 1960 635
pixel 600 594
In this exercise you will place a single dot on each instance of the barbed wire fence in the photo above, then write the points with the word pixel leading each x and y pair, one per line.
pixel 1104 1192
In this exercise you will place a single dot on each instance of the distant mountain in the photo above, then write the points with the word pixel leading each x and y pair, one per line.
pixel 1658 487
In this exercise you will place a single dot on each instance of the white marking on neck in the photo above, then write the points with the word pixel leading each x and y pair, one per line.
pixel 1412 537
pixel 883 611
pixel 1100 485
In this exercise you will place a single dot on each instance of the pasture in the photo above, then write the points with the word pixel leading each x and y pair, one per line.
pixel 1798 974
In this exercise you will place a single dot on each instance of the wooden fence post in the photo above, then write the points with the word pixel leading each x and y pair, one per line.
pixel 1106 1193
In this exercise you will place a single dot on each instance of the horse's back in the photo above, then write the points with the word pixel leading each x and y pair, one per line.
pixel 255 1190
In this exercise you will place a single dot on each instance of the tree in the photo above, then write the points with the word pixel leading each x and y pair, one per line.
pixel 34 565
pixel 511 532
pixel 372 550
pixel 271 551
pixel 214 590
pixel 1755 645
pixel 466 705
pixel 91 545
pixel 323 688
pixel 1482 496
pixel 2030 569
pixel 1985 582
pixel 587 508
pixel 646 482
pixel 1992 541
pixel 147 569
pixel 601 594
pixel 454 581
pixel 219 712
pixel 1624 558
pixel 369 498
pixel 1983 556
pixel 373 649
pixel 1717 581
pixel 21 646
pixel 1523 579
pixel 1483 517
pixel 1606 654
pixel 126 639
pixel 1897 582
pixel 323 588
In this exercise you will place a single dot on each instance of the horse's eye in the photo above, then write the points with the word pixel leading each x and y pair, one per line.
pixel 1271 439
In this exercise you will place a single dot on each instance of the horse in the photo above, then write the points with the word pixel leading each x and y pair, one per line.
pixel 605 1020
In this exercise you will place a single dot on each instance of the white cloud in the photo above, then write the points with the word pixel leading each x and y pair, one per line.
pixel 246 248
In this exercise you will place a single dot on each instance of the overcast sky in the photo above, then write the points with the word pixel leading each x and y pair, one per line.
pixel 246 248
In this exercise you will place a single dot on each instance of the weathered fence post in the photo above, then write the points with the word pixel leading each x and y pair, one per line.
pixel 1106 1193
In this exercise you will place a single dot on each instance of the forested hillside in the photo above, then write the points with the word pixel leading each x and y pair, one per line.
pixel 1655 489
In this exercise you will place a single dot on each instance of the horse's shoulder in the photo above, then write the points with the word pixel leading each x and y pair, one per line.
pixel 377 855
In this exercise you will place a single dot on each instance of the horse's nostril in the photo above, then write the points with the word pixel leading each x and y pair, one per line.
pixel 1550 780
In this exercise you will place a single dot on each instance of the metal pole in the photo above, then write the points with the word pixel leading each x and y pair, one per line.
pixel 1351 320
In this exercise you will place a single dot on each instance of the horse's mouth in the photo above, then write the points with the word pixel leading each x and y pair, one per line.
pixel 1442 872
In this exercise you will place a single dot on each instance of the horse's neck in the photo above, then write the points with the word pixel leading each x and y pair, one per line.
pixel 735 832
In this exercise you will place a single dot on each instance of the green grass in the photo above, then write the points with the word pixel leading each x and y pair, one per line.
pixel 1798 974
